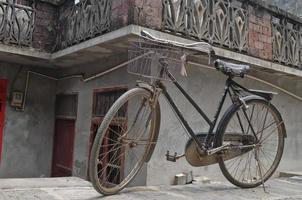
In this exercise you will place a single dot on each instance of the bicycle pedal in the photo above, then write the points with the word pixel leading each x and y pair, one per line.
pixel 171 158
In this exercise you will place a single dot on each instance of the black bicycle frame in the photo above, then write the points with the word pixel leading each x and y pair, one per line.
pixel 229 86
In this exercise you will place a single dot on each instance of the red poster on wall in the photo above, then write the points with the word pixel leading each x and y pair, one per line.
pixel 3 90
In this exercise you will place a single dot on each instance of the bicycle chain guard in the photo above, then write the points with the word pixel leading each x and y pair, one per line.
pixel 198 158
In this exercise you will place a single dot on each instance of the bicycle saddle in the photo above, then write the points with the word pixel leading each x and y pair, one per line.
pixel 231 69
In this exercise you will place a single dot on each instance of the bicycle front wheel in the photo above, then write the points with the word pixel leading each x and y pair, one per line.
pixel 255 141
pixel 123 141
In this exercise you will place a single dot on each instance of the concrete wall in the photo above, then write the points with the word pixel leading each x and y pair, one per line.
pixel 85 100
pixel 28 135
pixel 206 86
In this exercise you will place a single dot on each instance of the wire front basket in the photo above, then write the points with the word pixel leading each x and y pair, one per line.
pixel 146 58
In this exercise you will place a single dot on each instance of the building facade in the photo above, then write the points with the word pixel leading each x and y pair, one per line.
pixel 57 78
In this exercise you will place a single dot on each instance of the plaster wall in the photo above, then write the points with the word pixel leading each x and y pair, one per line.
pixel 206 86
pixel 28 135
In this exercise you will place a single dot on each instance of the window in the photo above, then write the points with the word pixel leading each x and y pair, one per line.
pixel 103 100
pixel 66 106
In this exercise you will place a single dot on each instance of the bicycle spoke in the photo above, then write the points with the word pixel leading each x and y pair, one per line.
pixel 258 159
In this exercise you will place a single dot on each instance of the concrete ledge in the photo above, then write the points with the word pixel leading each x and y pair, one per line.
pixel 25 51
pixel 122 32
pixel 93 49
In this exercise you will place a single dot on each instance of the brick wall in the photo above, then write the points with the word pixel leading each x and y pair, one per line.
pixel 120 13
pixel 260 33
pixel 45 26
pixel 147 13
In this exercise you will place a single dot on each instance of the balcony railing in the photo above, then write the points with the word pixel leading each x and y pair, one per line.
pixel 216 21
pixel 83 21
pixel 287 41
pixel 16 23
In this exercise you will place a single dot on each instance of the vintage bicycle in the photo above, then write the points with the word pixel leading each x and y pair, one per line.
pixel 247 142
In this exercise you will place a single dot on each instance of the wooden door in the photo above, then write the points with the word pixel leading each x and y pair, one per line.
pixel 63 148
pixel 64 136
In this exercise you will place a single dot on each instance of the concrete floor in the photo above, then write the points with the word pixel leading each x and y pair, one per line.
pixel 78 189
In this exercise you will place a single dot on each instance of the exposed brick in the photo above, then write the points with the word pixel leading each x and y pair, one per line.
pixel 265 55
pixel 259 45
pixel 263 38
pixel 260 33
pixel 45 31
pixel 254 35
pixel 252 18
pixel 268 47
pixel 254 52
pixel 266 31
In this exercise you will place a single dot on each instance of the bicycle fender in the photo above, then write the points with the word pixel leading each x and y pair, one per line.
pixel 145 86
pixel 155 134
pixel 250 97
pixel 247 98
pixel 149 88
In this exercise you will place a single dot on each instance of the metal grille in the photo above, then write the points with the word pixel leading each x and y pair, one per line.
pixel 287 40
pixel 66 106
pixel 219 22
pixel 104 100
pixel 147 55
pixel 85 20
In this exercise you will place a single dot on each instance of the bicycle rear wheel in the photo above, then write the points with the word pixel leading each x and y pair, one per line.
pixel 123 141
pixel 255 138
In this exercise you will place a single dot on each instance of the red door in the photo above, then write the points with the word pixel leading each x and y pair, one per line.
pixel 63 148
pixel 3 88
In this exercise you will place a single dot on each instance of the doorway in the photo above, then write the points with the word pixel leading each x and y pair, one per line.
pixel 102 101
pixel 63 144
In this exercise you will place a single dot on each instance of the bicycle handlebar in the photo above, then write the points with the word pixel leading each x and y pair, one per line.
pixel 198 46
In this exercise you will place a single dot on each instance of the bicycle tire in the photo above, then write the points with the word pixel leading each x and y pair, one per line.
pixel 102 150
pixel 255 176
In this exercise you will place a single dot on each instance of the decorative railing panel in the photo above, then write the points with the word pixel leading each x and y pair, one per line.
pixel 16 23
pixel 217 21
pixel 83 21
pixel 287 42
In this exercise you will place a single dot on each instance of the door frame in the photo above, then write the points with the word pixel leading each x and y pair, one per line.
pixel 60 117
pixel 96 121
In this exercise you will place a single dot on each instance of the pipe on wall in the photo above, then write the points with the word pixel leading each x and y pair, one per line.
pixel 44 76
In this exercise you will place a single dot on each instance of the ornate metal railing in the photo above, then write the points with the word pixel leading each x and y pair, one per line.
pixel 83 21
pixel 16 23
pixel 216 21
pixel 287 42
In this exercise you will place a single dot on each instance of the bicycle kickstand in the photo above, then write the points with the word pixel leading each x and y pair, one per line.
pixel 258 163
